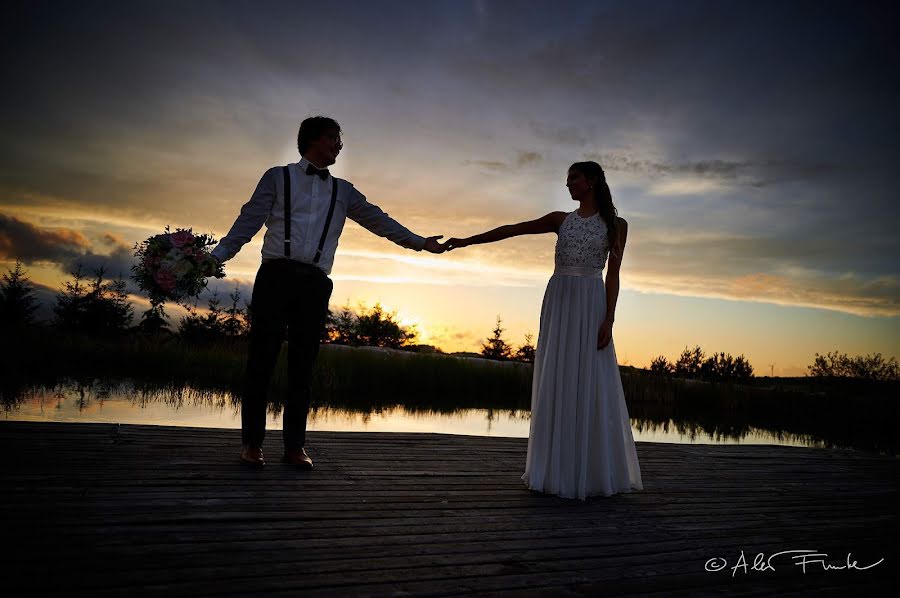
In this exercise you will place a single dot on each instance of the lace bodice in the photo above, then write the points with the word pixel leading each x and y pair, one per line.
pixel 582 246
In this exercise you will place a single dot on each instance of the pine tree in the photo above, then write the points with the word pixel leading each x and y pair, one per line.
pixel 526 352
pixel 660 365
pixel 206 328
pixel 234 323
pixel 71 302
pixel 17 300
pixel 689 362
pixel 119 308
pixel 153 321
pixel 496 347
pixel 342 327
pixel 106 306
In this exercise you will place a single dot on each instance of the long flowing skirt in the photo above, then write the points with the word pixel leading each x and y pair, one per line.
pixel 580 443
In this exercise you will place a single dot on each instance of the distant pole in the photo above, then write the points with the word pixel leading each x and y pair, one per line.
pixel 772 370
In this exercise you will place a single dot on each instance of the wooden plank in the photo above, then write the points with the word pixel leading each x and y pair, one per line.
pixel 103 509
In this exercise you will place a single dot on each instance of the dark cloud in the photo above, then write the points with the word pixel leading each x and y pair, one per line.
pixel 70 249
pixel 824 257
pixel 45 299
pixel 756 173
pixel 523 159
pixel 26 242
pixel 528 158
pixel 114 240
pixel 116 264
pixel 494 165
pixel 792 105
pixel 576 135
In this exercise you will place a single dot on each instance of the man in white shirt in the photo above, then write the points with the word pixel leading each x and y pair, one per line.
pixel 304 209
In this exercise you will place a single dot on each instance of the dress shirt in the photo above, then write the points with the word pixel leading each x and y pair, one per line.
pixel 310 199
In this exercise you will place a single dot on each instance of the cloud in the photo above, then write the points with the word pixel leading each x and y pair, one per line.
pixel 45 299
pixel 115 240
pixel 29 243
pixel 523 159
pixel 803 271
pixel 528 158
pixel 115 264
pixel 494 165
pixel 685 186
pixel 754 173
pixel 850 293
pixel 563 134
pixel 70 249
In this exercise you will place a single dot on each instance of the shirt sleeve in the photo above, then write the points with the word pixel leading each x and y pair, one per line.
pixel 253 215
pixel 375 220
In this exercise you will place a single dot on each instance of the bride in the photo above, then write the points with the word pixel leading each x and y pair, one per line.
pixel 580 443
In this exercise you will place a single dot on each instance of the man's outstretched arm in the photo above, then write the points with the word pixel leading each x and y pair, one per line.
pixel 375 220
pixel 253 215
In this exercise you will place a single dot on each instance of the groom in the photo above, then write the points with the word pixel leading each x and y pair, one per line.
pixel 304 208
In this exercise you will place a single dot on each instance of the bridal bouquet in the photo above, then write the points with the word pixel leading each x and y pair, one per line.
pixel 174 266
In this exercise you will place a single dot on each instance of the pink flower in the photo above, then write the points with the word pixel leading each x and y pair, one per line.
pixel 182 238
pixel 165 279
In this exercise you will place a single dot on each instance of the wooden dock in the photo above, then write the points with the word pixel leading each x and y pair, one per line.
pixel 105 509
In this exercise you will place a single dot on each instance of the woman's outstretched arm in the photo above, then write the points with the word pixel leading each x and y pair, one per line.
pixel 545 224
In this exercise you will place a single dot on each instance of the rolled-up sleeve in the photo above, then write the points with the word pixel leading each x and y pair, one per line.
pixel 253 215
pixel 375 220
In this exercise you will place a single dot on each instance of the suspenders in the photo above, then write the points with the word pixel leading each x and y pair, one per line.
pixel 287 211
pixel 287 215
pixel 327 220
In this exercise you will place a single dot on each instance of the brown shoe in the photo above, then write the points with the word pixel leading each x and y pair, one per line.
pixel 252 455
pixel 298 457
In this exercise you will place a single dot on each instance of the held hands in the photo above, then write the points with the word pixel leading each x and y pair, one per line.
pixel 432 245
pixel 455 243
pixel 605 334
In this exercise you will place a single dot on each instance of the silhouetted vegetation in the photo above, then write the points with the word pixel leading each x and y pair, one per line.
pixel 845 401
pixel 836 412
pixel 154 321
pixel 345 374
pixel 94 306
pixel 216 324
pixel 496 347
pixel 369 327
pixel 694 364
pixel 525 353
pixel 17 300
pixel 840 365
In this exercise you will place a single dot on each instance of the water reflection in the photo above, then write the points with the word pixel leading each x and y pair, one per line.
pixel 132 403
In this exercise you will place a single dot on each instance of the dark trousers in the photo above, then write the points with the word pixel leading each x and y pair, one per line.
pixel 287 295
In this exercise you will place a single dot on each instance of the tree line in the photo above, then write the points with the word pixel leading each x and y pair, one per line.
pixel 97 306
pixel 696 365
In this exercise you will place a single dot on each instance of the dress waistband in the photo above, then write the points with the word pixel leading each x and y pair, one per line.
pixel 577 271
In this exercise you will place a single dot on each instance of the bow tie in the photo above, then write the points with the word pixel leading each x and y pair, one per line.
pixel 322 174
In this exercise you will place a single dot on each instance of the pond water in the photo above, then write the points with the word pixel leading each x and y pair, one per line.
pixel 197 408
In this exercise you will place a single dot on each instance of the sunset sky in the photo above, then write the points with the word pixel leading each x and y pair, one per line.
pixel 752 147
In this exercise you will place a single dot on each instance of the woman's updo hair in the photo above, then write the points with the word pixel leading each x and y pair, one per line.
pixel 602 199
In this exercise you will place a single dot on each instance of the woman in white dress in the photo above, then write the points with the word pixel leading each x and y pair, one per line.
pixel 580 443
